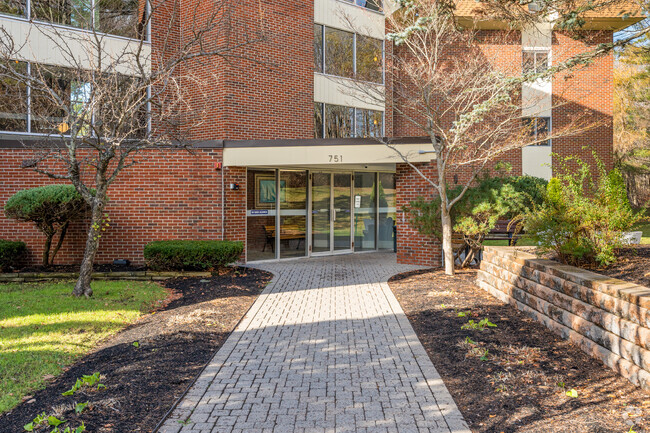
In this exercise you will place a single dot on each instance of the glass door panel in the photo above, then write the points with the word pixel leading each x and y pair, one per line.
pixel 342 216
pixel 387 208
pixel 321 192
pixel 365 211
pixel 293 213
pixel 260 215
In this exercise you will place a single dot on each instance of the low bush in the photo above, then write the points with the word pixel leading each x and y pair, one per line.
pixel 179 255
pixel 51 208
pixel 10 253
pixel 582 215
pixel 491 199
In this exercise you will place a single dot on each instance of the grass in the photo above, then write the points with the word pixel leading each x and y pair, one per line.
pixel 645 228
pixel 43 328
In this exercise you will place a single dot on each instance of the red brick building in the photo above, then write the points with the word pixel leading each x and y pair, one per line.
pixel 283 150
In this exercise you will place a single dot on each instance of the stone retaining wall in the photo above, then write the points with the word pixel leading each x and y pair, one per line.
pixel 608 318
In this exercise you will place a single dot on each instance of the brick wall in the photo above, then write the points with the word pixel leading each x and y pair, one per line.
pixel 169 195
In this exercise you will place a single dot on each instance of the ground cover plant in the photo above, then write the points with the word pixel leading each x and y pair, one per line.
pixel 10 254
pixel 132 379
pixel 43 329
pixel 516 376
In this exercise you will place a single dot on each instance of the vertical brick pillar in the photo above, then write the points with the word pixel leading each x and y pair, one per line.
pixel 235 205
pixel 413 247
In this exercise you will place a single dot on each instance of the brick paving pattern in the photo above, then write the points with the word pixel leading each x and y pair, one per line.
pixel 325 348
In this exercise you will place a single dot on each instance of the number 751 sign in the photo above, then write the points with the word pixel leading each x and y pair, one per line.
pixel 336 158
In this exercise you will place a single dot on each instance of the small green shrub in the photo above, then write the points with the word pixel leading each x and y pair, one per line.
pixel 51 208
pixel 491 199
pixel 10 253
pixel 582 216
pixel 191 255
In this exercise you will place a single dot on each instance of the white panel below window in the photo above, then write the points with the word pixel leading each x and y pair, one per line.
pixel 536 161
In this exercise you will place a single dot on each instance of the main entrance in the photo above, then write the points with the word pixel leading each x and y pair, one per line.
pixel 318 212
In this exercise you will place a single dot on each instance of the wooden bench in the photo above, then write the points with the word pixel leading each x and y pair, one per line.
pixel 502 232
pixel 287 232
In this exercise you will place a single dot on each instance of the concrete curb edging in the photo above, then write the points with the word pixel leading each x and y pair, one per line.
pixel 26 277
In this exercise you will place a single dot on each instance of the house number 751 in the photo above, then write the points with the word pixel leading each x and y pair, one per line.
pixel 336 158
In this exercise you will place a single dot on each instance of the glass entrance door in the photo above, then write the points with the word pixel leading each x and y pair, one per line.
pixel 342 212
pixel 331 196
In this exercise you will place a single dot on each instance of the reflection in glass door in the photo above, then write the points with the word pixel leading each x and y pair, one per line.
pixel 342 215
pixel 321 192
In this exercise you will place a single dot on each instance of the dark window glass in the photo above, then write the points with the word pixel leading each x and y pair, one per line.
pixel 369 123
pixel 339 57
pixel 538 127
pixel 318 48
pixel 318 120
pixel 374 5
pixel 13 97
pixel 535 61
pixel 369 59
pixel 120 17
pixel 74 13
pixel 339 121
pixel 13 7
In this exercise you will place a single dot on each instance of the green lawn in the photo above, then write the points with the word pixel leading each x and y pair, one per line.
pixel 43 328
pixel 645 228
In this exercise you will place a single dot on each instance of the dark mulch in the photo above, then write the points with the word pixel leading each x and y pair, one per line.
pixel 633 265
pixel 516 389
pixel 142 383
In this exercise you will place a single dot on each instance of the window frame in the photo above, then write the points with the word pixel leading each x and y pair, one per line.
pixel 535 130
pixel 26 17
pixel 354 3
pixel 31 118
pixel 355 77
pixel 535 53
pixel 354 120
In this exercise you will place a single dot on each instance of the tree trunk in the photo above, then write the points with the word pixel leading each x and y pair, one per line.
pixel 92 243
pixel 447 249
pixel 64 229
pixel 46 249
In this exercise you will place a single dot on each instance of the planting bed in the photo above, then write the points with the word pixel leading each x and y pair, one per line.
pixel 146 367
pixel 521 382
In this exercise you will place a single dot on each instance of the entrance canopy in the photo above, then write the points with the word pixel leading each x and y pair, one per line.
pixel 319 152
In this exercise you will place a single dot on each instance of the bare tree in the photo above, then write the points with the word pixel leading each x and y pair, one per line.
pixel 104 107
pixel 457 87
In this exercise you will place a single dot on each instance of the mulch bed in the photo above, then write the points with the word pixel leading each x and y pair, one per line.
pixel 633 265
pixel 142 383
pixel 513 377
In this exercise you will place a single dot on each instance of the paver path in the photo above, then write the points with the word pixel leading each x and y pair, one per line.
pixel 325 348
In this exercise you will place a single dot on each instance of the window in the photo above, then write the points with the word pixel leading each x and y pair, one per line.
pixel 345 54
pixel 318 48
pixel 369 123
pixel 117 17
pixel 535 61
pixel 369 59
pixel 13 98
pixel 538 127
pixel 318 120
pixel 374 5
pixel 337 121
pixel 339 52
pixel 13 7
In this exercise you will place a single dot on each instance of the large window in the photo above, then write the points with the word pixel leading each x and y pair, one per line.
pixel 535 61
pixel 538 127
pixel 116 17
pixel 338 121
pixel 40 108
pixel 349 55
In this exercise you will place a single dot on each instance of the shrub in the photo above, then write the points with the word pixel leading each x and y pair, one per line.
pixel 491 199
pixel 52 208
pixel 582 216
pixel 179 255
pixel 10 253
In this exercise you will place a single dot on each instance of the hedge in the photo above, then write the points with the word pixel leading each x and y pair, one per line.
pixel 179 255
pixel 10 253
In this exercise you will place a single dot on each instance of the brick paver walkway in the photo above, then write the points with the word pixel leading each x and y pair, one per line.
pixel 325 348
